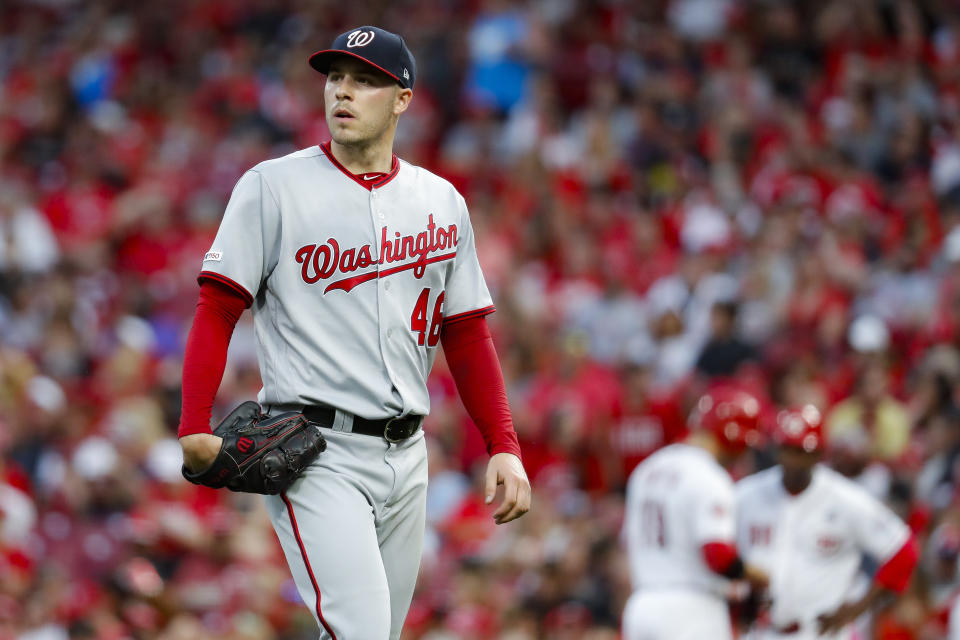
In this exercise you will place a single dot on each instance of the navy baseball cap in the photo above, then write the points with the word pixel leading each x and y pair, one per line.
pixel 375 46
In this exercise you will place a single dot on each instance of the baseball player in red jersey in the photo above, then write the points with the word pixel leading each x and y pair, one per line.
pixel 679 527
pixel 809 528
pixel 357 266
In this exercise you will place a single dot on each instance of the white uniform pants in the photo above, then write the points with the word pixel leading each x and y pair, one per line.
pixel 676 614
pixel 352 531
pixel 806 634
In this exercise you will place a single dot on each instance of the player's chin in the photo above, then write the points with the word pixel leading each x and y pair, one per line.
pixel 344 133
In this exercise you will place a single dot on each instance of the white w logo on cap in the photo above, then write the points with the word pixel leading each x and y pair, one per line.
pixel 360 38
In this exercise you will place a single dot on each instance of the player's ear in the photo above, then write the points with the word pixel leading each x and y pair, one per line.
pixel 402 100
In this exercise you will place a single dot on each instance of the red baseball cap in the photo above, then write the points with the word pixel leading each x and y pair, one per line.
pixel 801 428
pixel 731 414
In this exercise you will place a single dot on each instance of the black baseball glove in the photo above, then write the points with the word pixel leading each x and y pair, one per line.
pixel 260 454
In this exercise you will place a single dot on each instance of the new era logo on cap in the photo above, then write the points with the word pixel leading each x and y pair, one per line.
pixel 377 47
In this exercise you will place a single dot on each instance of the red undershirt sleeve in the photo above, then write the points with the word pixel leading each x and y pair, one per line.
pixel 205 357
pixel 719 556
pixel 472 358
pixel 895 573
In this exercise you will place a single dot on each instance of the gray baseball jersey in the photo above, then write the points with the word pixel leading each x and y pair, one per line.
pixel 350 282
pixel 349 285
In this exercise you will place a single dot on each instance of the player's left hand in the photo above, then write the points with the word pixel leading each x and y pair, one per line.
pixel 506 469
pixel 833 622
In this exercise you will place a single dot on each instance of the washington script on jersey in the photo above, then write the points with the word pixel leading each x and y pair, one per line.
pixel 328 259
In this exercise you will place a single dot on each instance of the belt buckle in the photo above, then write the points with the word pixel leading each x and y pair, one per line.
pixel 386 432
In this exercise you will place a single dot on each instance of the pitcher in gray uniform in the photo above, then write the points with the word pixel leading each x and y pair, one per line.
pixel 357 266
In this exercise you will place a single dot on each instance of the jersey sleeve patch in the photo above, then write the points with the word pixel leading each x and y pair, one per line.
pixel 222 279
pixel 476 313
pixel 213 256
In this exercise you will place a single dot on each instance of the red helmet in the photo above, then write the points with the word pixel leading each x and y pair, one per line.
pixel 732 414
pixel 802 428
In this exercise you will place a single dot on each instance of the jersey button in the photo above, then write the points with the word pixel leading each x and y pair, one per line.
pixel 386 285
pixel 389 333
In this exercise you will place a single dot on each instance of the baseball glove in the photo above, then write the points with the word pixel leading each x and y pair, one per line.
pixel 260 454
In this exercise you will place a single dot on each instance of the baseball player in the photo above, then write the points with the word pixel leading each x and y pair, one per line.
pixel 357 266
pixel 679 527
pixel 809 527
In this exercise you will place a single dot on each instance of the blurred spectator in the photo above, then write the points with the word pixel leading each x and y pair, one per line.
pixel 644 421
pixel 873 416
pixel 500 41
pixel 28 245
pixel 725 351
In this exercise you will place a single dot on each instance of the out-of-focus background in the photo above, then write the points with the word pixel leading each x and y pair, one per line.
pixel 665 193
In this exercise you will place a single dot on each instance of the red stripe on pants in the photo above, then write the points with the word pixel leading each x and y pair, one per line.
pixel 306 561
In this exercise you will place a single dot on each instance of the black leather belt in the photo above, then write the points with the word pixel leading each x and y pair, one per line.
pixel 390 429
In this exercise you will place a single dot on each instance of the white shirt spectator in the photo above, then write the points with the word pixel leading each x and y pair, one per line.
pixel 27 242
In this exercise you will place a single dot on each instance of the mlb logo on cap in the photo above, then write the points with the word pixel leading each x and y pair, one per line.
pixel 377 47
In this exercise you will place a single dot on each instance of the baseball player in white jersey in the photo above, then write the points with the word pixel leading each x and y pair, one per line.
pixel 679 527
pixel 809 527
pixel 356 265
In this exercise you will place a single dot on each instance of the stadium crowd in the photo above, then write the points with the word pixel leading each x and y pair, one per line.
pixel 665 194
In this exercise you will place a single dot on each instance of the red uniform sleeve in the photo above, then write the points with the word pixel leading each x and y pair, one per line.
pixel 468 347
pixel 895 572
pixel 205 357
pixel 719 556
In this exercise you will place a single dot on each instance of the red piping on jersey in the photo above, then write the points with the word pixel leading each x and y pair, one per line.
pixel 239 288
pixel 306 561
pixel 895 572
pixel 349 283
pixel 466 315
pixel 366 184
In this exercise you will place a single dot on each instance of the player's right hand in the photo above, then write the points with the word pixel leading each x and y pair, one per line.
pixel 199 450
pixel 507 470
